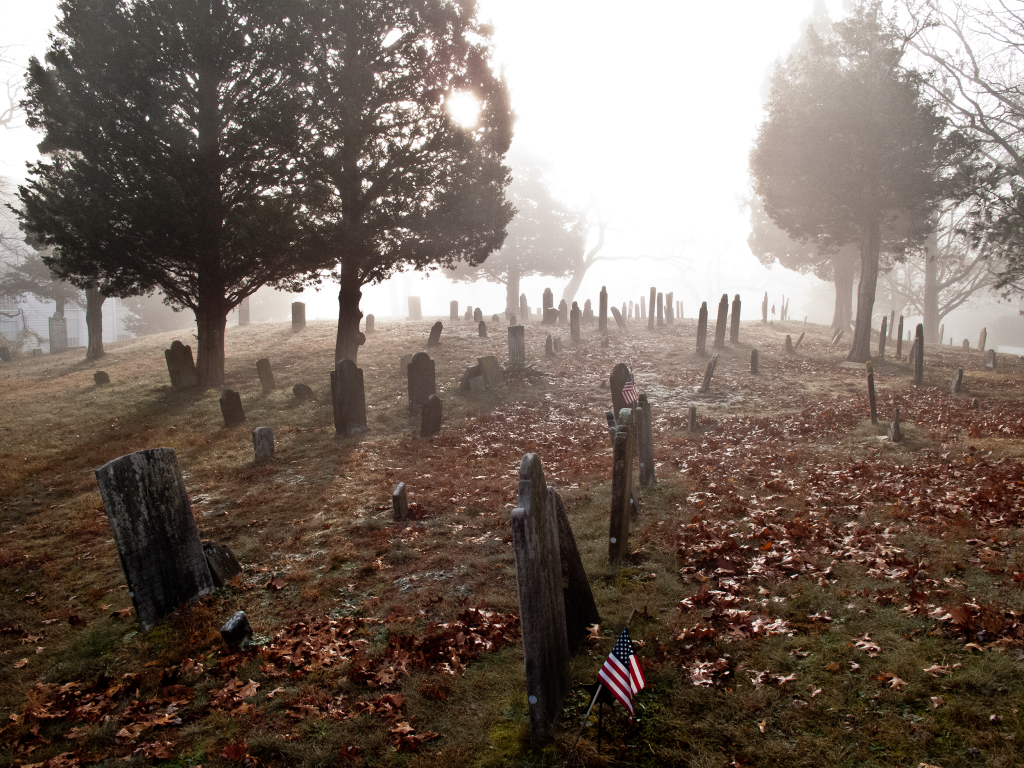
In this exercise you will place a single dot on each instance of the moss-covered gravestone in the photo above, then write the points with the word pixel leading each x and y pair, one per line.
pixel 154 531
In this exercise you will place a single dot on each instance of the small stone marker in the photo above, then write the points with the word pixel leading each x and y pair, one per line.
pixel 619 320
pixel 231 408
pixel 181 366
pixel 881 337
pixel 478 315
pixel 539 582
pixel 957 385
pixel 453 311
pixel 516 345
pixel 602 317
pixel 753 361
pixel 871 394
pixel 415 308
pixel 435 335
pixel 370 323
pixel 302 392
pixel 734 329
pixel 692 420
pixel 491 370
pixel 982 339
pixel 430 421
pixel 610 417
pixel 266 375
pixel 899 340
pixel 472 372
pixel 155 533
pixel 789 344
pixel 966 345
pixel 975 404
pixel 512 317
pixel 622 486
pixel 549 347
pixel 101 378
pixel 705 388
pixel 723 316
pixel 702 329
pixel 223 564
pixel 422 382
pixel 990 359
pixel 645 440
pixel 481 330
pixel 298 315
pixel 618 379
pixel 400 503
pixel 919 355
pixel 243 312
pixel 574 322
pixel 580 608
pixel 557 343
pixel 894 427
pixel 236 630
pixel 58 334
pixel 263 443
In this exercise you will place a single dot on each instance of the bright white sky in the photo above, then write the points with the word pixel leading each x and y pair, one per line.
pixel 647 109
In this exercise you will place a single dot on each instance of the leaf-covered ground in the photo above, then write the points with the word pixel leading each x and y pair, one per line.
pixel 807 592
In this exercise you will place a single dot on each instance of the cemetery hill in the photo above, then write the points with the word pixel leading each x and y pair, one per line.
pixel 587 525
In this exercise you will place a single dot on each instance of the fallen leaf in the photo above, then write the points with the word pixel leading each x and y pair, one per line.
pixel 937 701
pixel 833 667
pixel 249 689
pixel 235 752
pixel 20 664
pixel 763 724
pixel 277 583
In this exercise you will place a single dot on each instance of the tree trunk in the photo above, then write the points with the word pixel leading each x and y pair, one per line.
pixel 575 281
pixel 931 289
pixel 349 339
pixel 211 321
pixel 512 292
pixel 94 323
pixel 871 244
pixel 843 270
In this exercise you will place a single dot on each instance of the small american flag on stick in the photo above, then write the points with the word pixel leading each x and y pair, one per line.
pixel 629 393
pixel 621 673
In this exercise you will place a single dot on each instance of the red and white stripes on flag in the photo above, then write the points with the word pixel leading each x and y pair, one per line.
pixel 629 393
pixel 621 673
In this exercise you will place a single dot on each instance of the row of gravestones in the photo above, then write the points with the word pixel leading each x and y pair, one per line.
pixel 724 322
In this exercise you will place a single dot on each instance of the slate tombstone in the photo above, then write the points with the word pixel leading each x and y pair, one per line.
pixel 645 440
pixel 966 345
pixel 692 419
pixel 58 334
pixel 491 370
pixel 369 323
pixel 181 366
pixel 618 379
pixel 899 340
pixel 478 315
pixel 661 310
pixel 223 564
pixel 266 375
pixel 348 398
pixel 957 385
pixel 753 361
pixel 669 316
pixel 155 533
pixel 472 372
pixel 100 378
pixel 558 343
pixel 982 339
pixel 623 449
pixel 734 329
pixel 298 315
pixel 894 427
pixel 548 301
pixel 5 354
pixel 430 422
pixel 415 308
pixel 602 317
pixel 524 308
pixel 434 340
pixel 990 359
pixel 882 334
pixel 619 320
pixel 789 344
pixel 422 382
pixel 580 608
pixel 764 309
pixel 541 599
pixel 919 355
pixel 236 630
pixel 243 312
pixel 702 329
pixel 651 310
pixel 302 392
pixel 705 387
pixel 588 312
pixel 516 345
pixel 549 347
pixel 231 408
pixel 871 393
pixel 453 311
pixel 720 323
pixel 400 503
pixel 574 323
pixel 263 443
pixel 481 330
pixel 563 313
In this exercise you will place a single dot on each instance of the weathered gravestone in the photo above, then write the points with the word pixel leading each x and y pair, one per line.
pixel 705 387
pixel 298 315
pixel 982 339
pixel 469 313
pixel 415 308
pixel 548 301
pixel 919 355
pixel 623 449
pixel 692 419
pixel 549 347
pixel 236 630
pixel 892 324
pixel 580 608
pixel 453 311
pixel 58 334
pixel 541 600
pixel 588 312
pixel 558 343
pixel 5 354
pixel 720 323
pixel 619 320
pixel 702 328
pixel 563 313
pixel 550 316
pixel 37 352
pixel 302 392
pixel 516 345
pixel 430 421
pixel 966 345
pixel 661 310
pixel 243 312
pixel 871 393
pixel 422 383
pixel 478 315
pixel 348 398
pixel 266 375
pixel 618 379
pixel 100 378
pixel 789 344
pixel 942 333
pixel 491 370
pixel 481 330
pixel 181 366
pixel 669 315
pixel 512 317
pixel 798 341
pixel 734 329
pixel 602 317
pixel 882 336
pixel 894 427
pixel 472 372
pixel 524 308
pixel 435 335
pixel 957 385
pixel 574 323
pixel 899 340
pixel 975 404
pixel 370 323
pixel 651 312
pixel 764 309
pixel 645 440
pixel 231 408
pixel 643 310
pixel 990 359
pixel 263 443
pixel 753 361
pixel 223 564
pixel 155 533
pixel 400 503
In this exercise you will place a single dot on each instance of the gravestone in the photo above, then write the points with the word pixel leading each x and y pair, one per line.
pixel 753 361
pixel 5 354
pixel 415 308
pixel 692 419
pixel 243 312
pixel 942 333
pixel 512 317
pixel 975 404
pixel 517 345
pixel 434 340
pixel 181 366
pixel 892 324
pixel 263 443
pixel 702 329
pixel 899 340
pixel 558 343
pixel 602 317
pixel 478 315
pixel 541 600
pixel 472 372
pixel 58 334
pixel 422 382
pixel 643 310
pixel 155 533
pixel 651 309
pixel 481 330
pixel 588 312
pixel 990 359
pixel 453 311
pixel 798 341
pixel 966 345
pixel 919 355
pixel 610 417
pixel 894 427
pixel 619 320
pixel 430 422
pixel 574 323
pixel 661 310
pixel 623 449
pixel 302 392
pixel 871 393
pixel 369 323
pixel 548 301
pixel 348 398
pixel 720 323
pixel 734 329
pixel 982 339
pixel 837 337
pixel 669 314
pixel 231 408
pixel 764 309
pixel 222 562
pixel 631 317
pixel 882 336
pixel 236 630
pixel 705 387
pixel 298 315
pixel 618 379
pixel 563 313
pixel 789 344
pixel 550 316
pixel 645 440
pixel 478 385
pixel 524 308
pixel 100 378
pixel 403 363
pixel 37 352
pixel 266 375
pixel 580 608
pixel 491 370
pixel 957 384
pixel 549 347
pixel 400 503
pixel 469 313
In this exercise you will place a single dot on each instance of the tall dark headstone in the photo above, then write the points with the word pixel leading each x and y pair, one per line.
pixel 651 311
pixel 478 314
pixel 263 443
pixel 231 408
pixel 705 387
pixel 243 312
pixel 574 323
pixel 370 323
pixel 618 379
pixel 753 361
pixel 990 359
pixel 415 308
pixel 549 347
pixel 899 340
pixel 764 309
pixel 548 301
pixel 348 398
pixel 516 345
pixel 692 419
pixel 919 355
pixel 430 422
pixel 645 440
pixel 661 310
pixel 181 366
pixel 622 486
pixel 58 334
pixel 422 383
pixel 957 384
pixel 669 314
pixel 882 335
pixel 602 317
pixel 720 323
pixel 435 335
pixel 298 315
pixel 580 608
pixel 541 600
pixel 481 330
pixel 155 533
pixel 702 329
pixel 734 329
pixel 453 311
pixel 871 393
pixel 799 341
pixel 266 375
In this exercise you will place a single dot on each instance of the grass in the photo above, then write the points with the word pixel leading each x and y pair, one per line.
pixel 786 509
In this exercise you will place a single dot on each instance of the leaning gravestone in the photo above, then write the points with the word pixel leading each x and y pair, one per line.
pixel 435 335
pixel 266 375
pixel 400 502
pixel 990 359
pixel 734 329
pixel 882 335
pixel 541 600
pixel 298 315
pixel 705 387
pixel 231 408
pixel 702 329
pixel 415 308
pixel 422 383
pixel 348 398
pixel 645 441
pixel 430 421
pixel 370 323
pixel 263 443
pixel 222 562
pixel 472 372
pixel 100 378
pixel 618 379
pixel 574 323
pixel 580 608
pixel 619 321
pixel 622 486
pixel 491 370
pixel 58 334
pixel 155 533
pixel 517 345
pixel 181 366
pixel 722 321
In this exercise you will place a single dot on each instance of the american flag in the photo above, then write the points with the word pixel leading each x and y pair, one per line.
pixel 629 393
pixel 621 673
